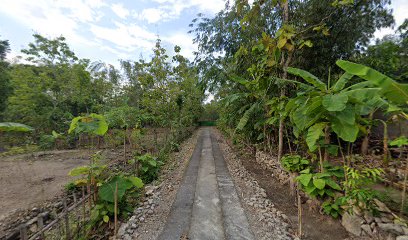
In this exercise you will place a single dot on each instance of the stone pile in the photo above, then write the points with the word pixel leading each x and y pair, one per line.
pixel 272 163
pixel 128 230
pixel 386 224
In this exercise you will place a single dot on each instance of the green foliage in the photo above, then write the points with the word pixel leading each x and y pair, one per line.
pixel 121 184
pixel 103 211
pixel 149 167
pixel 333 208
pixel 15 127
pixel 294 163
pixel 91 124
pixel 392 90
pixel 123 117
pixel 399 142
pixel 318 184
pixel 357 178
pixel 359 197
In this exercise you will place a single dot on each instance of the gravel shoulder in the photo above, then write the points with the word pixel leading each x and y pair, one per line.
pixel 150 216
pixel 265 220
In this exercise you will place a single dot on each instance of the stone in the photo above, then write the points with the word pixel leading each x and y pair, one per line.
pixel 392 228
pixel 403 237
pixel 357 211
pixel 381 206
pixel 122 230
pixel 352 223
pixel 377 220
pixel 367 229
pixel 385 220
pixel 368 217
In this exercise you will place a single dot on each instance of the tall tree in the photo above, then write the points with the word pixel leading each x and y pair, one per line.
pixel 5 88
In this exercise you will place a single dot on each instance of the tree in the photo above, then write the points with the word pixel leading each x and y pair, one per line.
pixel 389 55
pixel 5 88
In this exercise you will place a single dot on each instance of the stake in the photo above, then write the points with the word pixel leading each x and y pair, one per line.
pixel 116 209
pixel 299 212
pixel 67 230
pixel 404 189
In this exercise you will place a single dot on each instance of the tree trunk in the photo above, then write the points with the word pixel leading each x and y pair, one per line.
pixel 326 142
pixel 284 75
pixel 366 140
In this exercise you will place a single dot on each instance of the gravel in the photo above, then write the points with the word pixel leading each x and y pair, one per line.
pixel 266 221
pixel 150 216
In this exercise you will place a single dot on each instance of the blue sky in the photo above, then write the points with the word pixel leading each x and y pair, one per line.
pixel 112 30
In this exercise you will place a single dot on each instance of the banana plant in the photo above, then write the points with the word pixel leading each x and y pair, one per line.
pixel 14 127
pixel 322 108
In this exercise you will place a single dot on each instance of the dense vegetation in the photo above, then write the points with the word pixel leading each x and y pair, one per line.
pixel 281 65
pixel 298 79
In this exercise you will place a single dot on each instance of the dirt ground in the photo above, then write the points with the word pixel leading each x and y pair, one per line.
pixel 31 179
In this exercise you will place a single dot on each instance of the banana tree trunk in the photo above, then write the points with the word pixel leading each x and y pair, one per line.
pixel 366 140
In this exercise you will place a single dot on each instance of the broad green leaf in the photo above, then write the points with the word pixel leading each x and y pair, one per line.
pixel 137 182
pixel 14 127
pixel 333 184
pixel 106 218
pixel 79 171
pixel 304 179
pixel 335 103
pixel 308 77
pixel 392 90
pixel 319 183
pixel 239 80
pixel 152 162
pixel 74 124
pixel 342 82
pixel 348 115
pixel 347 132
pixel 363 94
pixel 307 170
pixel 102 124
pixel 245 118
pixel 313 134
pixel 107 190
pixel 399 142
pixel 281 42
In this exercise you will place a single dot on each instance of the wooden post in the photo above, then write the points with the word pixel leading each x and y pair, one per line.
pixel 116 210
pixel 83 203
pixel 23 232
pixel 67 230
pixel 299 203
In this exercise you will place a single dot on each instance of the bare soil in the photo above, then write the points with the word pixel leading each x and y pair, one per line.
pixel 30 179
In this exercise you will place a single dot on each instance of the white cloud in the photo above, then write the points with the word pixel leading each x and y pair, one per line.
pixel 126 37
pixel 153 15
pixel 55 18
pixel 400 10
pixel 120 10
pixel 172 9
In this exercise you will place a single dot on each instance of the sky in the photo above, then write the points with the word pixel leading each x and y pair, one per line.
pixel 109 30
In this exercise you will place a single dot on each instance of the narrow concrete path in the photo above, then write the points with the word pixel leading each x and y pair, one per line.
pixel 207 206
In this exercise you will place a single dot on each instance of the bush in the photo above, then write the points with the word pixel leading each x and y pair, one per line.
pixel 149 167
